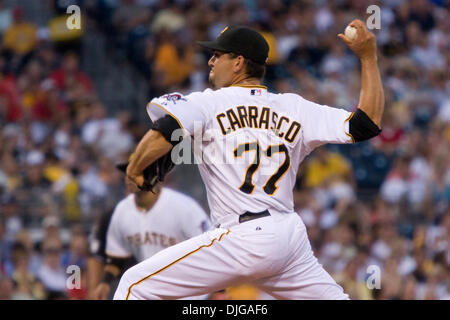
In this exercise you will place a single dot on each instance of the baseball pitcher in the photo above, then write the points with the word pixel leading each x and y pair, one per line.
pixel 248 144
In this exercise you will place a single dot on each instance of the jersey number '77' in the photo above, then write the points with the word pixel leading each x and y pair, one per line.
pixel 270 186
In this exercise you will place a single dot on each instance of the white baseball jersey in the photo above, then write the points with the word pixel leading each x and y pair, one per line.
pixel 248 144
pixel 174 218
pixel 250 152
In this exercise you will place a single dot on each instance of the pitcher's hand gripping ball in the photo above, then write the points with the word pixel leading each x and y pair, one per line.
pixel 350 32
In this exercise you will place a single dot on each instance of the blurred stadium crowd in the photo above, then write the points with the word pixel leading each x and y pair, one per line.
pixel 382 202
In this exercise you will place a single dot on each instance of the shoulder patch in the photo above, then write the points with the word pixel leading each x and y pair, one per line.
pixel 173 97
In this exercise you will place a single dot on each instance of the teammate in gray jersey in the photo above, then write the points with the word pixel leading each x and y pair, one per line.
pixel 144 223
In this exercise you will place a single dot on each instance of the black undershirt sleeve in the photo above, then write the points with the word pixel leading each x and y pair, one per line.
pixel 118 262
pixel 361 127
pixel 166 126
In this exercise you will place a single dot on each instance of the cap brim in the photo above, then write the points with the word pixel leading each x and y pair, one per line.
pixel 212 45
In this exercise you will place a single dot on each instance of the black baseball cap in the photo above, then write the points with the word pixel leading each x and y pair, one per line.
pixel 241 40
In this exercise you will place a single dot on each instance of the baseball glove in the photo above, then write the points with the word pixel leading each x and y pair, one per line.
pixel 154 173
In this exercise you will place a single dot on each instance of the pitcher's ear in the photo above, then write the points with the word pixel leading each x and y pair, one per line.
pixel 239 63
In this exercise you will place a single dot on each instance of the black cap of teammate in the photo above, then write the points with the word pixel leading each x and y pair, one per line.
pixel 240 40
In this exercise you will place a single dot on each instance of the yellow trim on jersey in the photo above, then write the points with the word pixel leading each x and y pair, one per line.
pixel 348 134
pixel 249 86
pixel 176 119
pixel 171 264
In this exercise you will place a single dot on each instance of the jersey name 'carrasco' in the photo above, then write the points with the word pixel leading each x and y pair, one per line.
pixel 240 117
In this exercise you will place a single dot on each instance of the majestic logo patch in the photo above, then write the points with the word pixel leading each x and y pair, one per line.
pixel 173 97
pixel 204 225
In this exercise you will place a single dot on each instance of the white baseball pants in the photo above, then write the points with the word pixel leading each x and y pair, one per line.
pixel 273 253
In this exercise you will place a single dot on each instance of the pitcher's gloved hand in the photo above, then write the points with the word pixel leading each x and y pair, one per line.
pixel 154 173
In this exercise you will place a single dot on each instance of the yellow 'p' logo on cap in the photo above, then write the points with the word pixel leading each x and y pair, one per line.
pixel 224 29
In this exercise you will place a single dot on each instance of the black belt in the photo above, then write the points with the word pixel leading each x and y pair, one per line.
pixel 247 216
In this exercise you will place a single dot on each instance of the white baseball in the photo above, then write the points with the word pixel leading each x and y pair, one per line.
pixel 350 32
